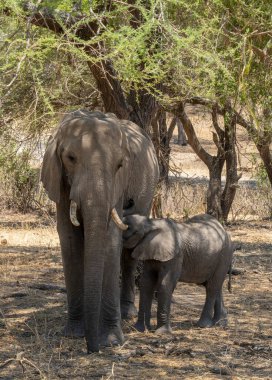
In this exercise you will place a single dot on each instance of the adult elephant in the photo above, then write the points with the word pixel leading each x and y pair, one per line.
pixel 96 165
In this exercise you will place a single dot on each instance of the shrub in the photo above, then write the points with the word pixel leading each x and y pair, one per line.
pixel 19 180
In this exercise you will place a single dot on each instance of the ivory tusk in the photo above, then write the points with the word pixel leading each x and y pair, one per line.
pixel 117 220
pixel 73 216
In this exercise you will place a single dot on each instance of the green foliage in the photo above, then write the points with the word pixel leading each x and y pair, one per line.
pixel 40 78
pixel 19 179
pixel 192 48
pixel 173 49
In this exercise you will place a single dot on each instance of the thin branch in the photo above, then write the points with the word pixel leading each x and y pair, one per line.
pixel 191 135
pixel 253 132
pixel 171 128
pixel 216 126
pixel 218 144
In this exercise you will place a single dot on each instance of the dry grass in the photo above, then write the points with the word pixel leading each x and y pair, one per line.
pixel 32 319
pixel 187 197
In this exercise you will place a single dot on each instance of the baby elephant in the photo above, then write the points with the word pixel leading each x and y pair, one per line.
pixel 197 251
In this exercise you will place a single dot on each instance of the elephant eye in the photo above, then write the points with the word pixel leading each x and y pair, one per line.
pixel 71 158
pixel 120 164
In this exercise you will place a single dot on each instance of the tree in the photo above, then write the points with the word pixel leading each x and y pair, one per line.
pixel 162 134
pixel 218 202
pixel 143 57
pixel 93 31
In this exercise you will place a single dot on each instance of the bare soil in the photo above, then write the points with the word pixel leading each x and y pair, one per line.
pixel 33 312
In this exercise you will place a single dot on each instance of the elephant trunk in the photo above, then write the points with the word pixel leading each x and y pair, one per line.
pixel 94 260
pixel 102 245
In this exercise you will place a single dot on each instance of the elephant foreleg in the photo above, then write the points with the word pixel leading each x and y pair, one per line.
pixel 71 240
pixel 128 267
pixel 110 326
pixel 167 286
pixel 147 288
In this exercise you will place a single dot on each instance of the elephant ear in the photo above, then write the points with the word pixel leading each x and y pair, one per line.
pixel 156 245
pixel 122 175
pixel 51 170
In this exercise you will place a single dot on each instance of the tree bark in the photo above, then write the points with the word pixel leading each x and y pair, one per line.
pixel 232 176
pixel 161 143
pixel 110 89
pixel 266 156
pixel 215 189
pixel 181 134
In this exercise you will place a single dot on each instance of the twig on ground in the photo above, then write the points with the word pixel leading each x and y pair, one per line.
pixel 47 287
pixel 21 360
pixel 111 376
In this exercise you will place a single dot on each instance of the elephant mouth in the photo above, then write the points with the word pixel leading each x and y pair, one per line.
pixel 114 215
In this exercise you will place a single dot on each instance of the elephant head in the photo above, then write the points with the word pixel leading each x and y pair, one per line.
pixel 152 239
pixel 87 163
pixel 84 146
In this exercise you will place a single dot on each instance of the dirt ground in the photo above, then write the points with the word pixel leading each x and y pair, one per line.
pixel 33 312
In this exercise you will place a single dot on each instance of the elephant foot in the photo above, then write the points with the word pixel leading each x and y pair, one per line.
pixel 164 330
pixel 112 337
pixel 74 329
pixel 205 322
pixel 128 310
pixel 140 326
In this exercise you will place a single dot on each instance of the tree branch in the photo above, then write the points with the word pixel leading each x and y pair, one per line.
pixel 191 135
pixel 171 128
pixel 218 144
pixel 252 131
pixel 45 18
pixel 84 28
pixel 59 21
pixel 216 126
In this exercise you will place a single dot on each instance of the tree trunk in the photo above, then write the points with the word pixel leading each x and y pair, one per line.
pixel 110 89
pixel 143 108
pixel 214 189
pixel 266 156
pixel 232 176
pixel 161 140
pixel 181 134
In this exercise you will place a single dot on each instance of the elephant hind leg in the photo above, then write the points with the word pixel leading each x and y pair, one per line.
pixel 206 318
pixel 220 313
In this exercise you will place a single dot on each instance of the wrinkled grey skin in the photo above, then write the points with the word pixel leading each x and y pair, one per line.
pixel 197 251
pixel 100 162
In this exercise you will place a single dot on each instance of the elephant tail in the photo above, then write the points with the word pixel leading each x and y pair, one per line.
pixel 229 282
